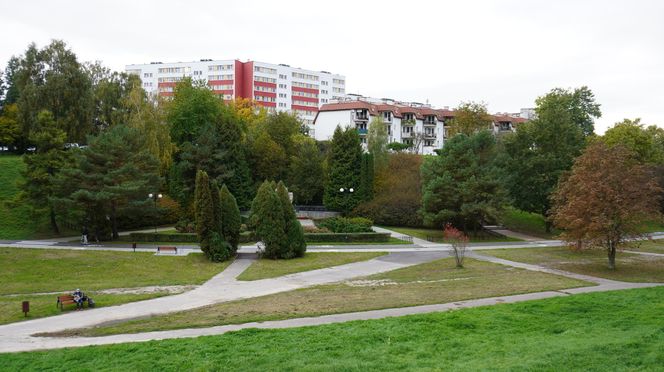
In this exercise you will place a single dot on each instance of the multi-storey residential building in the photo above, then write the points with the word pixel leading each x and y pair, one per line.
pixel 416 124
pixel 276 87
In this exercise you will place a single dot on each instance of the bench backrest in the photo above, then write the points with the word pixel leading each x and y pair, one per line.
pixel 65 298
pixel 168 248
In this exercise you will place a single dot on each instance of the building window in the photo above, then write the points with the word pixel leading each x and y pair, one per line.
pixel 282 104
pixel 198 73
pixel 324 82
pixel 338 90
pixel 299 75
pixel 220 77
pixel 134 72
pixel 323 92
pixel 174 70
pixel 282 95
pixel 265 89
pixel 283 76
pixel 282 86
pixel 147 75
pixel 173 79
pixel 220 67
pixel 265 70
pixel 265 79
pixel 323 100
pixel 339 81
pixel 304 85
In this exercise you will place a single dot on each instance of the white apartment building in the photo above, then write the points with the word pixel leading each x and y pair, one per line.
pixel 276 87
pixel 416 124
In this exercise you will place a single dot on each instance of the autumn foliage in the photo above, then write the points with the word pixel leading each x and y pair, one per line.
pixel 459 242
pixel 604 199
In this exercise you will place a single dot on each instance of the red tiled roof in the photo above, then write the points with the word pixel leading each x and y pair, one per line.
pixel 398 111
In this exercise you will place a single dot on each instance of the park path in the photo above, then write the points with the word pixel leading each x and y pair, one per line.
pixel 27 343
pixel 221 288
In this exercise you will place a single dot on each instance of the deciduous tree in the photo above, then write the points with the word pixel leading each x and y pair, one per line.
pixel 605 198
pixel 469 118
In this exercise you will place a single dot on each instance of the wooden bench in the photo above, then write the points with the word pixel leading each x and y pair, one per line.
pixel 65 300
pixel 167 249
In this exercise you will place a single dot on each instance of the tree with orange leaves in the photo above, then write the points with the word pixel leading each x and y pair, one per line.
pixel 605 198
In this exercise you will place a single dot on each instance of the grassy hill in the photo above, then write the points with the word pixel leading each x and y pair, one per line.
pixel 17 222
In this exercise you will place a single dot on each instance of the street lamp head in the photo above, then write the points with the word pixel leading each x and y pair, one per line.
pixel 159 196
pixel 341 189
pixel 150 195
pixel 351 189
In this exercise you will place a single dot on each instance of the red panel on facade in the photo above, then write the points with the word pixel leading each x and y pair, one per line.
pixel 220 82
pixel 298 89
pixel 265 94
pixel 304 108
pixel 248 80
pixel 263 84
pixel 306 99
pixel 267 104
pixel 166 94
pixel 166 84
pixel 239 78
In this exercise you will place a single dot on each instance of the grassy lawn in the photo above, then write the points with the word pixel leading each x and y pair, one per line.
pixel 652 246
pixel 526 223
pixel 429 283
pixel 629 267
pixel 52 270
pixel 620 330
pixel 263 269
pixel 436 235
pixel 45 305
pixel 652 226
pixel 17 222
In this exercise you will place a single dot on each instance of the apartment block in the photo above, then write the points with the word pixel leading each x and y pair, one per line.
pixel 276 87
pixel 419 125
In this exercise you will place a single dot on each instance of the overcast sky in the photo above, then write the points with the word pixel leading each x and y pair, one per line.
pixel 505 53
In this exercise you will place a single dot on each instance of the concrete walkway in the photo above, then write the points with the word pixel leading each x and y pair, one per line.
pixel 221 288
pixel 512 234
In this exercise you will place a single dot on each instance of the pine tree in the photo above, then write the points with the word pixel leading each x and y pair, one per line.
pixel 204 211
pixel 230 218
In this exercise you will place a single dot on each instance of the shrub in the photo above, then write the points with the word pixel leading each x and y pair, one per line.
pixel 346 225
pixel 347 237
pixel 315 230
pixel 185 226
pixel 220 250
pixel 268 217
pixel 160 237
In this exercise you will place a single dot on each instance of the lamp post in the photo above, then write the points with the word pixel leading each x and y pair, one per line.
pixel 155 197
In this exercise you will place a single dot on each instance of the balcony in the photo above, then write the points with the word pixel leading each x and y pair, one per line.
pixel 361 132
pixel 430 123
pixel 408 122
pixel 430 135
pixel 406 134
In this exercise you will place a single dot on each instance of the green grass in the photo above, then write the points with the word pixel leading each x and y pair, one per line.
pixel 525 222
pixel 52 270
pixel 652 246
pixel 17 222
pixel 436 235
pixel 609 331
pixel 430 283
pixel 651 226
pixel 629 267
pixel 45 305
pixel 265 268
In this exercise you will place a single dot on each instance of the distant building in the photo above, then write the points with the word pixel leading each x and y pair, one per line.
pixel 276 87
pixel 420 125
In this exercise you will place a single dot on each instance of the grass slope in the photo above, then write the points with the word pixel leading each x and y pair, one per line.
pixel 16 222
pixel 620 330
pixel 652 246
pixel 51 270
pixel 629 267
pixel 265 268
pixel 429 283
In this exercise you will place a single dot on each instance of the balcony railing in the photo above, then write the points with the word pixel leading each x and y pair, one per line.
pixel 429 123
pixel 361 131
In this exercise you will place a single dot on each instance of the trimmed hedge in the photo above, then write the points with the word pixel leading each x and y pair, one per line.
pixel 158 237
pixel 347 237
pixel 245 237
pixel 346 225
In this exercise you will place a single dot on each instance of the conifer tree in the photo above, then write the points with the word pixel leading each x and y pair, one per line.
pixel 344 164
pixel 204 211
pixel 295 245
pixel 230 218
pixel 268 218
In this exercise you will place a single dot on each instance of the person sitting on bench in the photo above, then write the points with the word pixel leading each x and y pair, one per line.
pixel 79 297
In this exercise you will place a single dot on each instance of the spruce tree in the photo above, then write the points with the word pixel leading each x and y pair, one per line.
pixel 230 218
pixel 295 245
pixel 216 205
pixel 204 211
pixel 344 167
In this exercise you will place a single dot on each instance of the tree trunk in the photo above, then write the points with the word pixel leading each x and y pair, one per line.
pixel 114 223
pixel 612 255
pixel 54 223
